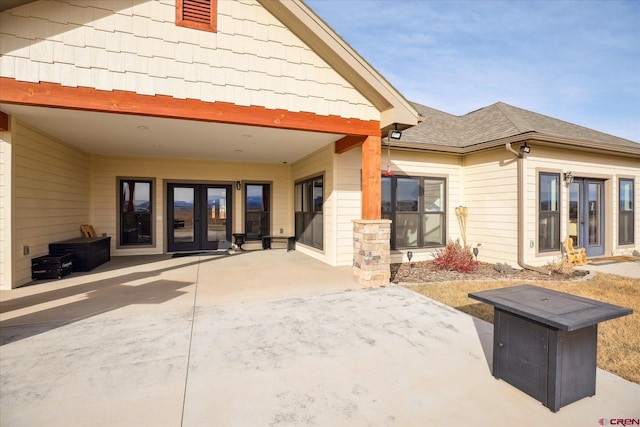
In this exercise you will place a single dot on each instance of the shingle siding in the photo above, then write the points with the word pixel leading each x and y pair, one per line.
pixel 137 47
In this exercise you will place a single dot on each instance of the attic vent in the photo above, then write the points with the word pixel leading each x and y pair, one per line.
pixel 198 14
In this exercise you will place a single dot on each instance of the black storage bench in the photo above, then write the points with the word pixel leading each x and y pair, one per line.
pixel 88 252
pixel 545 342
pixel 291 242
pixel 51 266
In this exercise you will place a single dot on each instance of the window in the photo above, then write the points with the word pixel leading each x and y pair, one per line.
pixel 136 212
pixel 197 14
pixel 309 199
pixel 257 217
pixel 416 206
pixel 625 212
pixel 549 212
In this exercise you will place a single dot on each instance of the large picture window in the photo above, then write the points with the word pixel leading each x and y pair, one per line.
pixel 309 201
pixel 416 207
pixel 257 211
pixel 625 212
pixel 136 212
pixel 549 212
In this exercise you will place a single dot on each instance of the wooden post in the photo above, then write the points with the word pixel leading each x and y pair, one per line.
pixel 371 178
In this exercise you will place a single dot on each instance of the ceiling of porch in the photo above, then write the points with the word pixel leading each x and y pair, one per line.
pixel 143 136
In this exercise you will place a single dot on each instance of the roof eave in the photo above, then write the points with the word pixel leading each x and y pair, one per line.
pixel 311 29
pixel 548 140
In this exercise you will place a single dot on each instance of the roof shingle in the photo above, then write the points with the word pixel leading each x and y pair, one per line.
pixel 499 121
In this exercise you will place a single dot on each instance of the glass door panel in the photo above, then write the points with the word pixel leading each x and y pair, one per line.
pixel 575 212
pixel 595 190
pixel 586 215
pixel 216 214
pixel 183 215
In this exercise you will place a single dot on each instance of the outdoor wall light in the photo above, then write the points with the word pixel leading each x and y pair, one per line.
pixel 238 185
pixel 525 148
pixel 394 133
pixel 568 178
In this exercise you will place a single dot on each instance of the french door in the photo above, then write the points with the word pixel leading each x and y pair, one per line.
pixel 586 215
pixel 199 217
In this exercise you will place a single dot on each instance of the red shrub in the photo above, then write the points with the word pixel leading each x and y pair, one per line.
pixel 455 257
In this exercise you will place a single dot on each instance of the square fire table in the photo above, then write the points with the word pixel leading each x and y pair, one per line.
pixel 545 342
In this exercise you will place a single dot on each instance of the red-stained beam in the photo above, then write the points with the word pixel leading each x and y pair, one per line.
pixel 349 142
pixel 123 102
pixel 4 121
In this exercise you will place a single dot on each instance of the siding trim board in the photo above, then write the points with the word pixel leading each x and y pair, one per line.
pixel 122 102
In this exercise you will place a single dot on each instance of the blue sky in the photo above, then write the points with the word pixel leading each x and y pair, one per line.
pixel 577 61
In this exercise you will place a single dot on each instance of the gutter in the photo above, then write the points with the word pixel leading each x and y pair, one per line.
pixel 521 263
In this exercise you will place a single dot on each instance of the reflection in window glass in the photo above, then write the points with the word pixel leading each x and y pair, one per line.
pixel 135 212
pixel 416 208
pixel 626 213
pixel 386 197
pixel 309 205
pixel 257 211
pixel 549 212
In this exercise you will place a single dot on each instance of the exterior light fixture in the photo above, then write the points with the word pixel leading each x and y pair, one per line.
pixel 394 134
pixel 525 148
pixel 238 185
pixel 568 178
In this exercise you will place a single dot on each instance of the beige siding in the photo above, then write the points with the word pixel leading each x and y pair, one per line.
pixel 321 163
pixel 6 246
pixel 582 165
pixel 135 46
pixel 108 169
pixel 348 206
pixel 490 195
pixel 50 195
pixel 430 165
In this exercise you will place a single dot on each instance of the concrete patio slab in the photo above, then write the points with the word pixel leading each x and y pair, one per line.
pixel 297 346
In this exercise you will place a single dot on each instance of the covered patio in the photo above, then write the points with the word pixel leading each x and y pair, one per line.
pixel 260 338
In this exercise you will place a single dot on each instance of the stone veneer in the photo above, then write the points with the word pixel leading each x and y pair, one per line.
pixel 371 252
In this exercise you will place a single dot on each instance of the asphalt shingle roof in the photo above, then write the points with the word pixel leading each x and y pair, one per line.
pixel 499 121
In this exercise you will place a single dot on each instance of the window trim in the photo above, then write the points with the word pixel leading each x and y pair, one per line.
pixel 269 204
pixel 421 212
pixel 152 189
pixel 211 26
pixel 298 238
pixel 622 212
pixel 550 213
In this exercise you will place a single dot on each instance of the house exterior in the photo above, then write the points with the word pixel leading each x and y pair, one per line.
pixel 479 185
pixel 170 125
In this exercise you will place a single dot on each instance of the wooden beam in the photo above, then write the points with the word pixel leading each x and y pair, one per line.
pixel 4 121
pixel 371 178
pixel 349 142
pixel 123 102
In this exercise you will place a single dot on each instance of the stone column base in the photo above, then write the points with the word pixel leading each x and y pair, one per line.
pixel 372 252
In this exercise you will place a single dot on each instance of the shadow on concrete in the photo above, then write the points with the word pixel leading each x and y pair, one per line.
pixel 485 335
pixel 101 296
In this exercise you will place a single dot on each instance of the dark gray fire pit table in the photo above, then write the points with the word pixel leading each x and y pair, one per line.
pixel 545 342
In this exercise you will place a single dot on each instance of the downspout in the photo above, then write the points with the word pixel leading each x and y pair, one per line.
pixel 521 262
